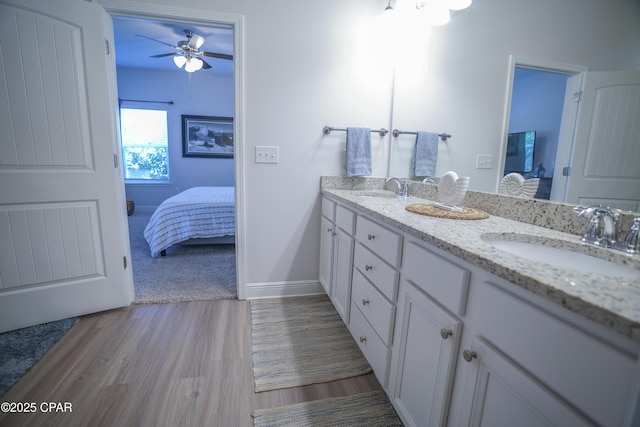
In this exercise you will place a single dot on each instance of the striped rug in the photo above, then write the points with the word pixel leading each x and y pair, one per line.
pixel 300 341
pixel 365 410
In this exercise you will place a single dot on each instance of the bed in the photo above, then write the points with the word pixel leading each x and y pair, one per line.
pixel 199 215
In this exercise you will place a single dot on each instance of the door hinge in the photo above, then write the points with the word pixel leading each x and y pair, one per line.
pixel 566 171
pixel 577 97
pixel 115 161
pixel 124 260
pixel 106 47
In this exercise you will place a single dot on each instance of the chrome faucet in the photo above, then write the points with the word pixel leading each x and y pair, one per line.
pixel 602 229
pixel 402 187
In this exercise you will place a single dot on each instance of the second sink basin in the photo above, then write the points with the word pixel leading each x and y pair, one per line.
pixel 549 253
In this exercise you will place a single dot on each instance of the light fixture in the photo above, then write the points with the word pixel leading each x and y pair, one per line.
pixel 437 11
pixel 458 4
pixel 179 60
pixel 193 64
pixel 388 8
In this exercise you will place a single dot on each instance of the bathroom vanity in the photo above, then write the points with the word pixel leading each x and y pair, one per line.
pixel 461 333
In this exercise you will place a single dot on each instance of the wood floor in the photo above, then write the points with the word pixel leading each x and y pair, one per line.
pixel 158 365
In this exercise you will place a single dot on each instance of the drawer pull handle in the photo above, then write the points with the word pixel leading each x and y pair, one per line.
pixel 329 229
pixel 445 333
pixel 368 267
pixel 365 301
pixel 371 236
pixel 363 339
pixel 469 355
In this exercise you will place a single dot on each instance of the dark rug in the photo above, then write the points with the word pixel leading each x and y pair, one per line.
pixel 21 348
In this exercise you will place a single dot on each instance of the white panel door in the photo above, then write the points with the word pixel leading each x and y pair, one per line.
pixel 62 214
pixel 606 150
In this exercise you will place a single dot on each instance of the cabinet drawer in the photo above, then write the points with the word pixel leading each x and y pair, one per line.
pixel 383 276
pixel 374 306
pixel 384 242
pixel 328 208
pixel 445 281
pixel 345 219
pixel 374 350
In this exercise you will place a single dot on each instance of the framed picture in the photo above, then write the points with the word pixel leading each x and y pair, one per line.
pixel 205 136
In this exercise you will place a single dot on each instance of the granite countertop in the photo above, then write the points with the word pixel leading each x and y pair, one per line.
pixel 610 301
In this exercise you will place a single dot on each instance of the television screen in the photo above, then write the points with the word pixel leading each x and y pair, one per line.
pixel 520 147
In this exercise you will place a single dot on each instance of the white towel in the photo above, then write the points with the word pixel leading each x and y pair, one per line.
pixel 425 154
pixel 358 155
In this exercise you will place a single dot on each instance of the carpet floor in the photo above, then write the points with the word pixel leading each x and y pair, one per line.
pixel 187 273
pixel 299 341
pixel 364 410
pixel 21 348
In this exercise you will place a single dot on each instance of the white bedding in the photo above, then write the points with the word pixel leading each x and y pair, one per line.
pixel 199 212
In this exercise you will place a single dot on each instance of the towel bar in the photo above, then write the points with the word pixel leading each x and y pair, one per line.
pixel 443 136
pixel 327 130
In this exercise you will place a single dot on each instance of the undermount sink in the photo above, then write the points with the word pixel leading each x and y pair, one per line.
pixel 561 254
pixel 379 194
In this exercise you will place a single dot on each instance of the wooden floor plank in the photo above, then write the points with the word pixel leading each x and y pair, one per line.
pixel 175 364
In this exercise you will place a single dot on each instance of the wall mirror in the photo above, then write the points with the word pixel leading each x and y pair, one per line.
pixel 479 84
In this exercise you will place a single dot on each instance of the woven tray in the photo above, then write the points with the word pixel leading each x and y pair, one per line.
pixel 431 210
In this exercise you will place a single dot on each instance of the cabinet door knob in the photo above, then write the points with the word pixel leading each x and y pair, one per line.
pixel 363 339
pixel 469 355
pixel 365 301
pixel 329 229
pixel 368 267
pixel 371 236
pixel 445 333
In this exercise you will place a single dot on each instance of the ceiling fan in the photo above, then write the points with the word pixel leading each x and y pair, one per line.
pixel 188 53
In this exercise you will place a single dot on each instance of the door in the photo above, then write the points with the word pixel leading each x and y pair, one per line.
pixel 63 244
pixel 605 165
pixel 424 362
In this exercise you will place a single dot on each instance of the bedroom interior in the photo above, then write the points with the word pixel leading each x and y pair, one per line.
pixel 149 78
pixel 189 362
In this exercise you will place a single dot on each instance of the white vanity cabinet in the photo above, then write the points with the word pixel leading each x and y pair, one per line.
pixel 336 254
pixel 375 287
pixel 454 345
pixel 327 242
pixel 427 336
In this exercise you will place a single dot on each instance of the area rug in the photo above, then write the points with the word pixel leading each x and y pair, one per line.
pixel 21 348
pixel 187 273
pixel 300 341
pixel 364 410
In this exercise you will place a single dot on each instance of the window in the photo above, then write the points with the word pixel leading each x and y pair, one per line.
pixel 145 148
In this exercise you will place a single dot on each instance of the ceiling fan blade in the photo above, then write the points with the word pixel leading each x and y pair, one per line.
pixel 195 41
pixel 162 55
pixel 158 41
pixel 205 65
pixel 218 55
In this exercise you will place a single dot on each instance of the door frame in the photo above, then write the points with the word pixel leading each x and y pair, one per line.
pixel 207 17
pixel 569 113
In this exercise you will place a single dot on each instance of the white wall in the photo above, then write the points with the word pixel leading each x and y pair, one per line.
pixel 300 75
pixel 191 94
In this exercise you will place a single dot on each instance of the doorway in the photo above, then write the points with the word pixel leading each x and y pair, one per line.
pixel 200 18
pixel 538 92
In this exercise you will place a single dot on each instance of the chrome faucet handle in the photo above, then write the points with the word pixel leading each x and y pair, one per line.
pixel 602 229
pixel 402 187
pixel 631 243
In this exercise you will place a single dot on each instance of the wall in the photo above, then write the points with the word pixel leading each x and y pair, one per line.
pixel 192 94
pixel 301 74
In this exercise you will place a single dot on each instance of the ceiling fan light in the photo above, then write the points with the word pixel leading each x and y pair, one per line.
pixel 193 64
pixel 179 61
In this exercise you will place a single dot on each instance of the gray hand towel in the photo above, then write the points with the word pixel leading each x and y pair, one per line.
pixel 425 154
pixel 358 155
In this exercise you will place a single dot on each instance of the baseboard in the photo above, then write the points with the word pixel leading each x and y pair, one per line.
pixel 283 289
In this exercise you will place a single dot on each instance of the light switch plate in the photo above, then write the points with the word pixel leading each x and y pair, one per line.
pixel 484 161
pixel 267 154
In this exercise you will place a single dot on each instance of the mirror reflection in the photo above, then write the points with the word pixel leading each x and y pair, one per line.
pixel 483 82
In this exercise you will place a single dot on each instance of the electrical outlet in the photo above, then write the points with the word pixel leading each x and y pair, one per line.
pixel 265 154
pixel 484 161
